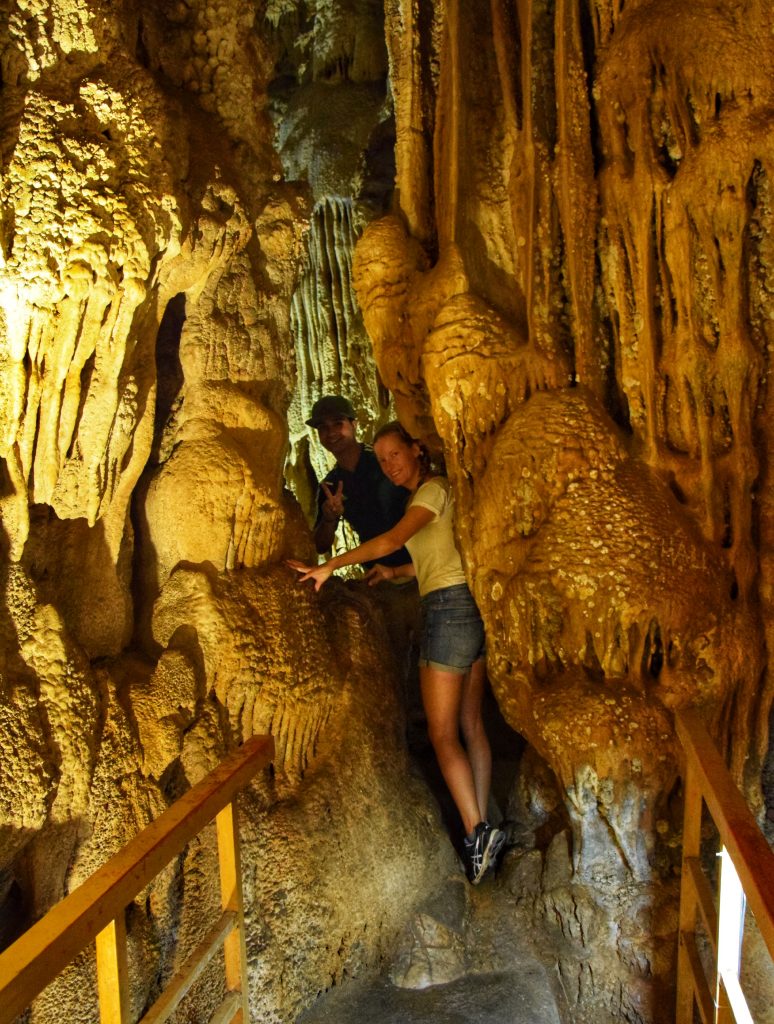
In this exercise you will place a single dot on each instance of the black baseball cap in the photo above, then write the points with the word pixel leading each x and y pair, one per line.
pixel 331 407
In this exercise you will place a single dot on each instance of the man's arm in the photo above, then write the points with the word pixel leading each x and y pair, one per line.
pixel 324 533
pixel 381 572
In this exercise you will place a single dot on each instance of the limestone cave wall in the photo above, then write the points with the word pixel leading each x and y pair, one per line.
pixel 572 297
pixel 634 232
pixel 152 247
pixel 541 231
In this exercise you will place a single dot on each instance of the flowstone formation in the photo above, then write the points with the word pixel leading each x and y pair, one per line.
pixel 113 205
pixel 149 246
pixel 242 655
pixel 573 300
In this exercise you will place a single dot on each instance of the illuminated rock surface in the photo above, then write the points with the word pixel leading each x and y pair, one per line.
pixel 540 232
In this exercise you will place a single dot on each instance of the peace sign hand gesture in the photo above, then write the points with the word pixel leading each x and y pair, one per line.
pixel 333 506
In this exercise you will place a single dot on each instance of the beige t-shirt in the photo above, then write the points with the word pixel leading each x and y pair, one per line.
pixel 433 551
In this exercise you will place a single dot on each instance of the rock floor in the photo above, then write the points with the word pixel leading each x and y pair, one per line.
pixel 467 957
pixel 519 997
pixel 504 983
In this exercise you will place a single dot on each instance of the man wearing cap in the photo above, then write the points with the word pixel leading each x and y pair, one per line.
pixel 356 488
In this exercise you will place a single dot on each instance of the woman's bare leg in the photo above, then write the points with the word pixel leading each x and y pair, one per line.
pixel 442 695
pixel 476 740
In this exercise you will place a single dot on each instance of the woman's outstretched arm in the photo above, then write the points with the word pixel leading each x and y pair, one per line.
pixel 371 550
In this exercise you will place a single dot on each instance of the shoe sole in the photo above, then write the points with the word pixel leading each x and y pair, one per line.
pixel 496 845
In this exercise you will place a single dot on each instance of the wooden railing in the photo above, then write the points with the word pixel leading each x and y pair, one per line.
pixel 95 910
pixel 747 870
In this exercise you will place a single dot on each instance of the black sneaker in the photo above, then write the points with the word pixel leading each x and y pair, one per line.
pixel 481 851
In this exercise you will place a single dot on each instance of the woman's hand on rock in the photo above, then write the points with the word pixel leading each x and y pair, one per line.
pixel 318 573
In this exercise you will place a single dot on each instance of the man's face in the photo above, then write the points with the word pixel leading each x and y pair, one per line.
pixel 336 434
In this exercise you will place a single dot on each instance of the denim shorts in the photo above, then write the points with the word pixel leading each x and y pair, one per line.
pixel 452 630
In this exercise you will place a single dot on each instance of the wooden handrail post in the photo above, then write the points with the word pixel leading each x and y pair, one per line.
pixel 738 829
pixel 747 873
pixel 112 973
pixel 692 802
pixel 234 946
pixel 95 910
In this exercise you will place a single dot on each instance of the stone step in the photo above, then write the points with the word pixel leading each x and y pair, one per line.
pixel 521 996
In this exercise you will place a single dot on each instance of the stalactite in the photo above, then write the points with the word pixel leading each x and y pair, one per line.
pixel 576 194
pixel 413 115
pixel 679 269
pixel 333 353
pixel 446 144
pixel 75 319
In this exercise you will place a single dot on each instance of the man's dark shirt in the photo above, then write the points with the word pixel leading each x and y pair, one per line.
pixel 372 504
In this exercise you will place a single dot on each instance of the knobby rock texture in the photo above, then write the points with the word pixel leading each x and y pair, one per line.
pixel 540 231
pixel 572 299
pixel 151 243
